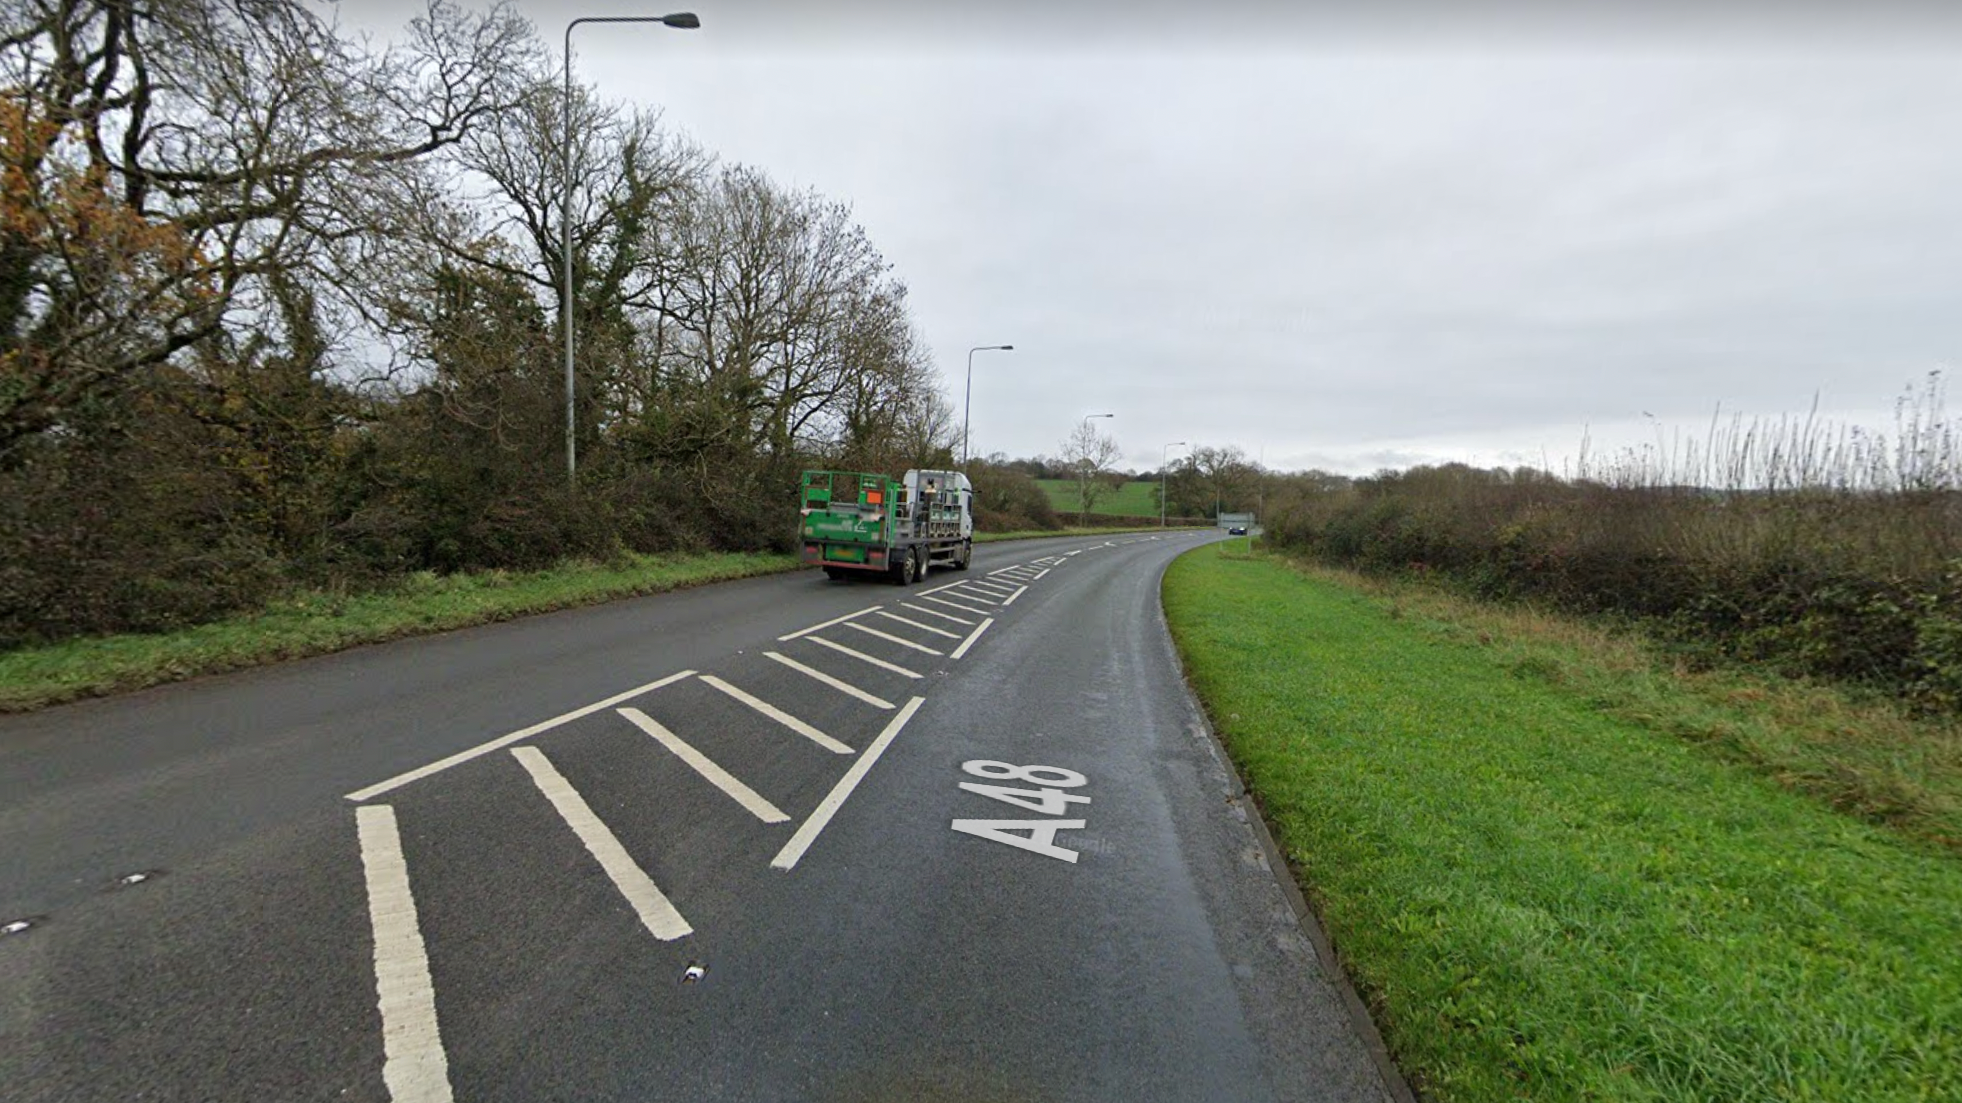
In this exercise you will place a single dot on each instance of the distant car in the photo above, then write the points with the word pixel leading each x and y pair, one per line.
pixel 1237 530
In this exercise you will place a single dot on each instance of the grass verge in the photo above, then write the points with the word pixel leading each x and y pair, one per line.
pixel 317 623
pixel 1542 897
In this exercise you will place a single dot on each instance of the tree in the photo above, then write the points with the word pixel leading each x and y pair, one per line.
pixel 1089 455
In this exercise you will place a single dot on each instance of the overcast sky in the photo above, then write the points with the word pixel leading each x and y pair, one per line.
pixel 1443 232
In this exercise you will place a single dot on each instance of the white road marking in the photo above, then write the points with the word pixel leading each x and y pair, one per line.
pixel 414 1066
pixel 1011 598
pixel 900 640
pixel 862 656
pixel 922 627
pixel 989 585
pixel 826 624
pixel 705 766
pixel 1017 569
pixel 1078 551
pixel 984 598
pixel 969 641
pixel 780 716
pixel 843 687
pixel 935 613
pixel 1041 572
pixel 956 605
pixel 656 913
pixel 482 749
pixel 937 589
pixel 793 850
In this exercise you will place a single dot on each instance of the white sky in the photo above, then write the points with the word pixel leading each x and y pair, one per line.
pixel 1448 232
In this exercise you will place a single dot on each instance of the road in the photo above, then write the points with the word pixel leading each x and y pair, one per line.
pixel 779 839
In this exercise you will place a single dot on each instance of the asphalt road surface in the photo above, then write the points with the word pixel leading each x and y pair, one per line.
pixel 780 839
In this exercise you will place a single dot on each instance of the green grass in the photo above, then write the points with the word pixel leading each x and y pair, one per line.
pixel 1133 499
pixel 1545 897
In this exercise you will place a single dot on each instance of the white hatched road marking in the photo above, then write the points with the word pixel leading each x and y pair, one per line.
pixel 937 589
pixel 956 605
pixel 1041 572
pixel 991 586
pixel 1011 598
pixel 656 913
pixel 827 624
pixel 900 640
pixel 414 1067
pixel 843 687
pixel 793 851
pixel 922 627
pixel 862 656
pixel 705 766
pixel 969 641
pixel 935 613
pixel 481 749
pixel 983 598
pixel 780 716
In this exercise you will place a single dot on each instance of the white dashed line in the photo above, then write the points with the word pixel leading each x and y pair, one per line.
pixel 705 766
pixel 889 637
pixel 862 656
pixel 793 850
pixel 482 749
pixel 845 688
pixel 827 624
pixel 972 636
pixel 1010 600
pixel 777 714
pixel 922 627
pixel 656 913
pixel 414 1066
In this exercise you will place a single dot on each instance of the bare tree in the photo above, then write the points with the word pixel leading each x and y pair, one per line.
pixel 1089 456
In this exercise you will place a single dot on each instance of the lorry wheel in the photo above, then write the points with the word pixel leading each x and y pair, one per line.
pixel 966 556
pixel 908 570
pixel 835 574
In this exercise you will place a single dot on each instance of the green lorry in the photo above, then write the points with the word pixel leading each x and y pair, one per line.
pixel 859 525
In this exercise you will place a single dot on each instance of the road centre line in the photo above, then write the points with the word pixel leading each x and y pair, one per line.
pixel 845 688
pixel 656 913
pixel 863 657
pixel 777 714
pixel 793 851
pixel 900 640
pixel 1013 596
pixel 705 766
pixel 1078 551
pixel 482 749
pixel 956 605
pixel 922 627
pixel 826 624
pixel 414 1066
pixel 972 636
pixel 935 613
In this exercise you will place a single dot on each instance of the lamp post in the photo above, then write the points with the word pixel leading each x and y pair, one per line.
pixel 968 404
pixel 1162 454
pixel 681 20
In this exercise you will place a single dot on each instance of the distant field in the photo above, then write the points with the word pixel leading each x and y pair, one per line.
pixel 1133 499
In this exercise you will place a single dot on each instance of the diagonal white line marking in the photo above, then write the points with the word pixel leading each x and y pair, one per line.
pixel 1011 598
pixel 862 656
pixel 793 850
pixel 935 613
pixel 843 687
pixel 956 605
pixel 780 716
pixel 414 1066
pixel 983 597
pixel 900 640
pixel 972 636
pixel 705 766
pixel 922 627
pixel 826 624
pixel 1041 572
pixel 656 914
pixel 482 749
pixel 937 589
pixel 988 585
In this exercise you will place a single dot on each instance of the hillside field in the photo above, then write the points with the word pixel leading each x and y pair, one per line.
pixel 1133 499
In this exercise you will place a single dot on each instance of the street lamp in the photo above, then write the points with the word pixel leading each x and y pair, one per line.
pixel 681 20
pixel 968 404
pixel 1088 418
pixel 1162 454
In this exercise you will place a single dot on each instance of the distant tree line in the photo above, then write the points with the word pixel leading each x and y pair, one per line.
pixel 279 309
